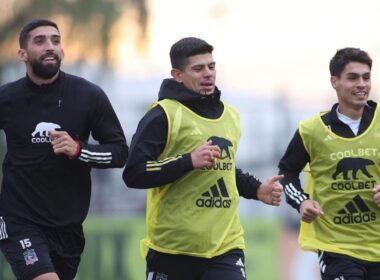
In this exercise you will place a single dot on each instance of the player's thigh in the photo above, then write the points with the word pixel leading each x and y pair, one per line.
pixel 27 251
pixel 47 276
pixel 229 266
pixel 68 243
pixel 66 268
pixel 340 267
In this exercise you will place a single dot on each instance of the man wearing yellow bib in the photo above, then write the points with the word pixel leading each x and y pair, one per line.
pixel 183 152
pixel 340 152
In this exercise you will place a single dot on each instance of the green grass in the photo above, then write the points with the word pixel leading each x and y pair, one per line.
pixel 262 261
pixel 112 250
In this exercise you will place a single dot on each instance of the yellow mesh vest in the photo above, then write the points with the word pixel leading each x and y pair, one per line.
pixel 341 175
pixel 196 215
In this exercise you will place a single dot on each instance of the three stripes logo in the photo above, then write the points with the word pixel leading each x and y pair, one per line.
pixel 216 197
pixel 158 165
pixel 3 229
pixel 241 265
pixel 196 131
pixel 355 212
pixel 294 194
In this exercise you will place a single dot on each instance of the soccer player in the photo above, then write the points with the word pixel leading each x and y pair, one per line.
pixel 47 117
pixel 339 150
pixel 184 152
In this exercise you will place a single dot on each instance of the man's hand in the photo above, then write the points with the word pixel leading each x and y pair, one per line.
pixel 63 144
pixel 310 210
pixel 376 195
pixel 270 191
pixel 205 155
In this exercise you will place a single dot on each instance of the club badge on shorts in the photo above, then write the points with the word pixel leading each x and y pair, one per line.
pixel 161 276
pixel 30 257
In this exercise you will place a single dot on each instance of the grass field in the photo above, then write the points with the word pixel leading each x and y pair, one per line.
pixel 112 250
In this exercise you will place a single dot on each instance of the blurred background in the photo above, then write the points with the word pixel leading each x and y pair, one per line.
pixel 272 64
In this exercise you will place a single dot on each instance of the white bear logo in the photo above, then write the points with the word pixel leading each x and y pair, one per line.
pixel 43 129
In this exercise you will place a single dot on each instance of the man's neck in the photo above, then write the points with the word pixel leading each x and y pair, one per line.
pixel 352 113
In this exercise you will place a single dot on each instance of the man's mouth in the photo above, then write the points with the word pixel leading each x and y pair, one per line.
pixel 207 86
pixel 49 58
pixel 360 93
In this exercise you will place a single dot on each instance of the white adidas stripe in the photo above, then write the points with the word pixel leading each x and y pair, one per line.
pixel 294 194
pixel 97 157
pixel 322 265
pixel 239 262
pixel 3 230
pixel 96 154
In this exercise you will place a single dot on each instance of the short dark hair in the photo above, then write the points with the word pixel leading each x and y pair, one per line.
pixel 186 47
pixel 32 25
pixel 345 56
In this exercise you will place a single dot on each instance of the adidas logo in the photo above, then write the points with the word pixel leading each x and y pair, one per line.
pixel 328 137
pixel 215 197
pixel 239 263
pixel 196 131
pixel 3 229
pixel 355 212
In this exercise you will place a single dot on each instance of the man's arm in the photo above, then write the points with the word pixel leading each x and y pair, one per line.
pixel 250 187
pixel 143 169
pixel 110 151
pixel 291 165
pixel 247 184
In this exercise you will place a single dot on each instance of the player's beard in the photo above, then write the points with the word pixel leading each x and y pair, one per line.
pixel 46 71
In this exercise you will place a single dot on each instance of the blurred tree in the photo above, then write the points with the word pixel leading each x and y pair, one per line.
pixel 90 20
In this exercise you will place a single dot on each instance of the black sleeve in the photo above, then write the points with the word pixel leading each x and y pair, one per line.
pixel 111 149
pixel 291 165
pixel 247 184
pixel 143 168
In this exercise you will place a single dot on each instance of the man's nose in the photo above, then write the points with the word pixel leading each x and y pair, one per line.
pixel 49 45
pixel 208 71
pixel 362 82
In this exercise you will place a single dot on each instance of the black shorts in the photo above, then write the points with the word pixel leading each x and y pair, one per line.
pixel 33 250
pixel 228 266
pixel 335 266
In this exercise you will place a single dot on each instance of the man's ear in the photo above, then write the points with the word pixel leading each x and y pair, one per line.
pixel 22 55
pixel 176 74
pixel 333 81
